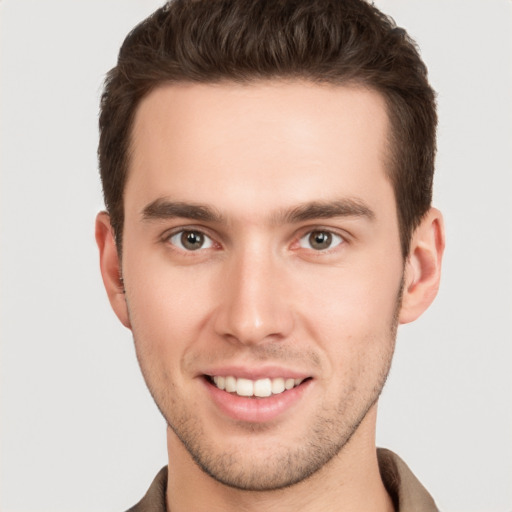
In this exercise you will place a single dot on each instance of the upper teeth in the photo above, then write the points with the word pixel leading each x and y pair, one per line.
pixel 259 388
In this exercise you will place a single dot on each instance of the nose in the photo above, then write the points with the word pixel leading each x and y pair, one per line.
pixel 255 301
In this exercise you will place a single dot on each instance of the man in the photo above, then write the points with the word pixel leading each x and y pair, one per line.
pixel 267 171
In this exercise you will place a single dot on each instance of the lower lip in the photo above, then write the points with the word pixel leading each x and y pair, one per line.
pixel 256 410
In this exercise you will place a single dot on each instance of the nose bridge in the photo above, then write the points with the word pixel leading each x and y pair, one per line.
pixel 253 303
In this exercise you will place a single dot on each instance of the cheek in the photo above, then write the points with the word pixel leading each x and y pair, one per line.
pixel 167 307
pixel 351 302
pixel 354 322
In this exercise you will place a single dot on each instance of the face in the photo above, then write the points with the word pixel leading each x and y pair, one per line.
pixel 262 269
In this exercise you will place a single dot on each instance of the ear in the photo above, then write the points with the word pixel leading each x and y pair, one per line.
pixel 423 267
pixel 111 268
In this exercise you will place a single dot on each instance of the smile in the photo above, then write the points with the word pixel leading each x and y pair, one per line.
pixel 260 388
pixel 264 397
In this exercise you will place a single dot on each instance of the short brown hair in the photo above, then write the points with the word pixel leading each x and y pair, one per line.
pixel 323 41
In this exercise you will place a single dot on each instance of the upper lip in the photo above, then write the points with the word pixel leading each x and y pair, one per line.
pixel 255 373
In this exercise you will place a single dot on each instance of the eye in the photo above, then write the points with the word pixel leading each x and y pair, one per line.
pixel 320 240
pixel 191 240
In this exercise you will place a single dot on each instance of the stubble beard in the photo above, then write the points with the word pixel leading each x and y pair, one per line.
pixel 328 435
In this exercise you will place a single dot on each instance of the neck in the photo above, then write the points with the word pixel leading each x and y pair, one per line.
pixel 350 481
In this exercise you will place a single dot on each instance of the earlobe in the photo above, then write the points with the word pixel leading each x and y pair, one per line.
pixel 423 267
pixel 111 268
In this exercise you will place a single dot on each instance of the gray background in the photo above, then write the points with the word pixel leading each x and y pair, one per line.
pixel 79 431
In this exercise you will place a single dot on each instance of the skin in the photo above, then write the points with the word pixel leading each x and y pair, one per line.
pixel 273 162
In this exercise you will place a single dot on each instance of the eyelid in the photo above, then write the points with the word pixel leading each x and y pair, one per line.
pixel 167 235
pixel 303 232
pixel 176 240
pixel 307 230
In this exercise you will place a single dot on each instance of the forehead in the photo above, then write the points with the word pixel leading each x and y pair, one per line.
pixel 283 141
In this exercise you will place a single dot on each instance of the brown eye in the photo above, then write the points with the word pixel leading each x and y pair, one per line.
pixel 320 240
pixel 191 240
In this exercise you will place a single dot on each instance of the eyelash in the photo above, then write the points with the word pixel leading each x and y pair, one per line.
pixel 340 238
pixel 335 238
pixel 167 238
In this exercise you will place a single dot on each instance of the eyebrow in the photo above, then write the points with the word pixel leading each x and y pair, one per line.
pixel 345 207
pixel 162 209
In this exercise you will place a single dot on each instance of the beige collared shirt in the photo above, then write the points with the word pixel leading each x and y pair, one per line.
pixel 405 490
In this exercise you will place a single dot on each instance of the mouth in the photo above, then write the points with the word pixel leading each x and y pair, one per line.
pixel 264 398
pixel 260 388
